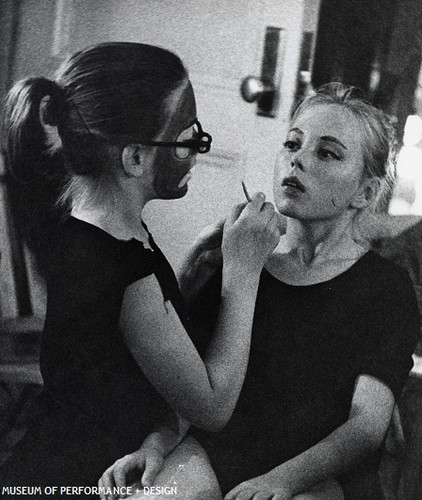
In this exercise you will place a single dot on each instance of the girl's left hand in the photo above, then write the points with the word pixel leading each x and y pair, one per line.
pixel 203 259
pixel 259 488
pixel 148 461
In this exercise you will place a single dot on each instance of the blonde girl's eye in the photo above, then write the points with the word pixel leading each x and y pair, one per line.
pixel 327 154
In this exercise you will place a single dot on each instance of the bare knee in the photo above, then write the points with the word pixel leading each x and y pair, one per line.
pixel 198 478
pixel 186 474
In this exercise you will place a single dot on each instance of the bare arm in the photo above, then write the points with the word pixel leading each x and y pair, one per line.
pixel 149 459
pixel 364 431
pixel 204 392
pixel 205 257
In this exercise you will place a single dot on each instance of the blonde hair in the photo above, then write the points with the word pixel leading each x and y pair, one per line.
pixel 379 141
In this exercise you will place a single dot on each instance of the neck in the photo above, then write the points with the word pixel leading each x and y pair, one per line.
pixel 315 241
pixel 117 211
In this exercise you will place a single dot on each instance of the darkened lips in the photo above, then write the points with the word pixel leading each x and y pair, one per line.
pixel 293 182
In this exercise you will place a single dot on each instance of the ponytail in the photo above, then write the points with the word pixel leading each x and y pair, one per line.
pixel 109 95
pixel 29 150
pixel 34 166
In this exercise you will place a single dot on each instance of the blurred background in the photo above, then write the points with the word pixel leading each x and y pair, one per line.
pixel 278 49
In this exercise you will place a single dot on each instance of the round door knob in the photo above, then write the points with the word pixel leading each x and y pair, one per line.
pixel 253 89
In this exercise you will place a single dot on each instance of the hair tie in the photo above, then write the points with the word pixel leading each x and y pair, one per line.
pixel 53 105
pixel 52 113
pixel 48 114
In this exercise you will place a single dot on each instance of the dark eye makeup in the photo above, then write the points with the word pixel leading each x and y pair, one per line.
pixel 328 153
pixel 322 152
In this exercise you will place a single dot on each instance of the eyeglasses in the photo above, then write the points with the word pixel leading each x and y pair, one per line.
pixel 200 143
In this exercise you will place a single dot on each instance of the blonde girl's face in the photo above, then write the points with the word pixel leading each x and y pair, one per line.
pixel 319 169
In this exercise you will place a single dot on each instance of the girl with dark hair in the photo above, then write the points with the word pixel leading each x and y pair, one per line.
pixel 335 325
pixel 119 122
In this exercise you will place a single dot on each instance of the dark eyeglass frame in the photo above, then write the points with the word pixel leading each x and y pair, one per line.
pixel 201 145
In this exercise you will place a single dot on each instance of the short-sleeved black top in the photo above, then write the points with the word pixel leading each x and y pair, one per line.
pixel 84 361
pixel 309 344
pixel 96 405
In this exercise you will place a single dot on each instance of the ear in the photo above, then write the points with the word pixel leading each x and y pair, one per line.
pixel 367 193
pixel 132 160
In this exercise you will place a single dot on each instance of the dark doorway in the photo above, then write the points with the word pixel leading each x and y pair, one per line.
pixel 374 45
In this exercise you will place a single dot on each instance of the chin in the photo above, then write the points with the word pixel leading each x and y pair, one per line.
pixel 293 211
pixel 292 214
pixel 286 207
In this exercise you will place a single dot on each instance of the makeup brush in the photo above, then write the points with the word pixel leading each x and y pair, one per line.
pixel 246 192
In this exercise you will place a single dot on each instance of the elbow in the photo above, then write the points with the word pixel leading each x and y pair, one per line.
pixel 210 413
pixel 213 420
pixel 372 437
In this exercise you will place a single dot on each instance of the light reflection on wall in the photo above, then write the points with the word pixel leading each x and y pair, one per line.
pixel 407 196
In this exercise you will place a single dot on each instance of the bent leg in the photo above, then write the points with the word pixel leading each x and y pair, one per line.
pixel 329 490
pixel 186 475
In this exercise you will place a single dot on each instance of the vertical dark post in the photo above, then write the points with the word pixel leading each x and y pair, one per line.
pixel 267 105
pixel 9 14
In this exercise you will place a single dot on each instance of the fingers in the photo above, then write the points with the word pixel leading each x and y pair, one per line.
pixel 120 472
pixel 153 465
pixel 209 257
pixel 101 488
pixel 274 224
pixel 268 209
pixel 263 496
pixel 257 203
pixel 235 213
pixel 265 212
pixel 115 476
pixel 241 494
pixel 258 200
pixel 281 222
pixel 106 481
pixel 233 494
pixel 263 208
pixel 252 494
